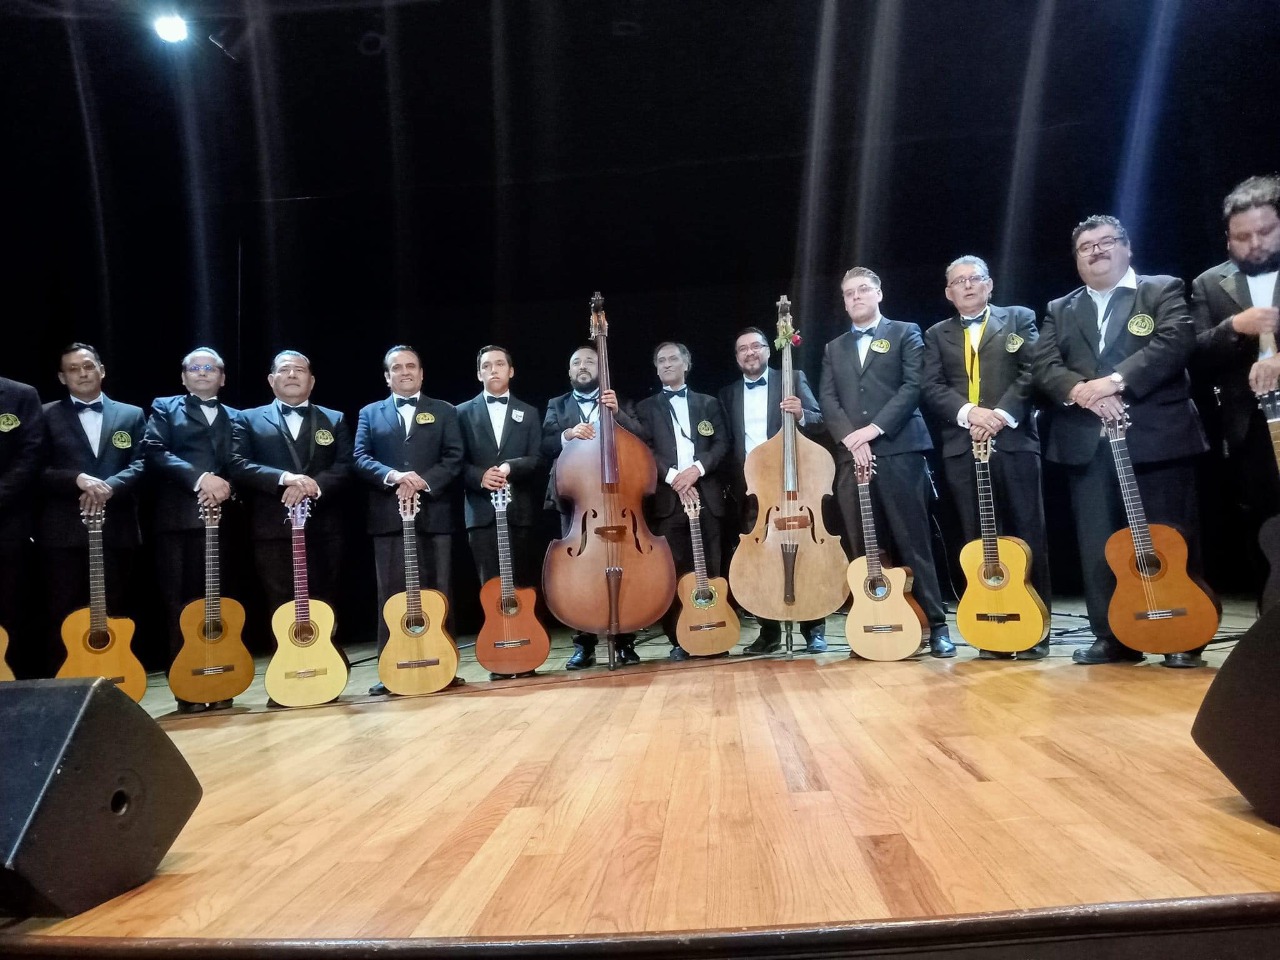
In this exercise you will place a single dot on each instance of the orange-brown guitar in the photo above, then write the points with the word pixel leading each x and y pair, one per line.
pixel 1157 606
pixel 5 672
pixel 707 625
pixel 511 639
pixel 98 645
pixel 214 663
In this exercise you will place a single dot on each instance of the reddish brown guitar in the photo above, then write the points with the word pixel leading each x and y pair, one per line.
pixel 511 639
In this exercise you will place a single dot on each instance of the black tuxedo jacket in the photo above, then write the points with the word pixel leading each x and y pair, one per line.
pixel 731 401
pixel 1164 421
pixel 119 462
pixel 181 446
pixel 886 392
pixel 563 413
pixel 710 447
pixel 1004 378
pixel 262 450
pixel 21 447
pixel 521 448
pixel 1223 357
pixel 433 450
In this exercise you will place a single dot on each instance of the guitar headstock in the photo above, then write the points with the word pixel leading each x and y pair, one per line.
pixel 93 520
pixel 211 514
pixel 692 503
pixel 500 497
pixel 409 506
pixel 982 449
pixel 599 323
pixel 863 472
pixel 299 512
pixel 1269 402
pixel 1117 426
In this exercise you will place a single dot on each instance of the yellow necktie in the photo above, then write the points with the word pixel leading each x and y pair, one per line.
pixel 971 357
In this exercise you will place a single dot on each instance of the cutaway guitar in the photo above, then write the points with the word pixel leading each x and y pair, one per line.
pixel 5 672
pixel 511 640
pixel 707 625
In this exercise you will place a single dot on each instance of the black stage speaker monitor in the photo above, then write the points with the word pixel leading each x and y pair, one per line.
pixel 1240 714
pixel 92 795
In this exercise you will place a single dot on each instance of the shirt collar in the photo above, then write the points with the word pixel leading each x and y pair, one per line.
pixel 1128 282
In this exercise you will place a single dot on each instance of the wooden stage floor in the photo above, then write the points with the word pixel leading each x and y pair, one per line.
pixel 741 792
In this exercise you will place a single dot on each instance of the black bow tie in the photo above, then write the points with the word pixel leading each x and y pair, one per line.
pixel 212 402
pixel 299 410
pixel 869 332
pixel 80 406
pixel 762 382
pixel 406 402
pixel 967 322
pixel 675 393
pixel 586 398
pixel 501 400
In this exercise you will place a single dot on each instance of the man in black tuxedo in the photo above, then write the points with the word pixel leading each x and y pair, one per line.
pixel 188 451
pixel 93 463
pixel 977 386
pixel 503 442
pixel 282 453
pixel 687 433
pixel 1120 343
pixel 754 407
pixel 573 416
pixel 870 397
pixel 1232 306
pixel 21 445
pixel 408 445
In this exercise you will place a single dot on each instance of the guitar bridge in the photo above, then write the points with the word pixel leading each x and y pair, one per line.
pixel 1160 614
pixel 999 617
pixel 882 628
pixel 414 664
pixel 797 521
pixel 116 679
pixel 213 671
pixel 508 644
pixel 706 626
pixel 306 674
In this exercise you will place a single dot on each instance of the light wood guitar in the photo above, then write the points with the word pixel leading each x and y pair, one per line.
pixel 884 621
pixel 1000 610
pixel 214 663
pixel 420 657
pixel 306 668
pixel 511 640
pixel 707 625
pixel 1157 606
pixel 98 645
pixel 1269 532
pixel 5 672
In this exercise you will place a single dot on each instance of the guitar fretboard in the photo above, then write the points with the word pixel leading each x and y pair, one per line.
pixel 212 584
pixel 301 591
pixel 412 583
pixel 874 569
pixel 699 558
pixel 987 514
pixel 97 580
pixel 504 556
pixel 1134 513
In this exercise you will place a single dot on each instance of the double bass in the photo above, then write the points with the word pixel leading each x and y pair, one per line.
pixel 789 567
pixel 611 574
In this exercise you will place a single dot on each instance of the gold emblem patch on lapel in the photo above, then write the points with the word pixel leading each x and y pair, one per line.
pixel 1013 342
pixel 425 417
pixel 880 346
pixel 9 422
pixel 121 440
pixel 1141 325
pixel 705 428
pixel 324 438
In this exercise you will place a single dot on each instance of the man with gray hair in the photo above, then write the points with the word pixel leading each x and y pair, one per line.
pixel 977 386
pixel 188 449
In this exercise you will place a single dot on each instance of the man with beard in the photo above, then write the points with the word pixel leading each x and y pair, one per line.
pixel 977 386
pixel 1120 343
pixel 754 406
pixel 1233 305
pixel 573 416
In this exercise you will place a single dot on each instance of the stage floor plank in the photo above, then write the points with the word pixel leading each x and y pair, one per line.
pixel 707 795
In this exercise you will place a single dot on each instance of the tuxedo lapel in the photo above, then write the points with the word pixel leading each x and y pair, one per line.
pixel 72 423
pixel 1122 305
pixel 1236 286
pixel 480 422
pixel 993 337
pixel 773 415
pixel 1084 314
pixel 391 413
pixel 507 423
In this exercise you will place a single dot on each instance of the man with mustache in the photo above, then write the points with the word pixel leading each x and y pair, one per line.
pixel 1120 343
pixel 1234 305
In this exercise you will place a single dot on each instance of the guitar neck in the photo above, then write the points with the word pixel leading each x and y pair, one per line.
pixel 987 513
pixel 874 568
pixel 1273 427
pixel 699 558
pixel 608 448
pixel 1134 513
pixel 212 584
pixel 97 581
pixel 301 589
pixel 504 554
pixel 412 583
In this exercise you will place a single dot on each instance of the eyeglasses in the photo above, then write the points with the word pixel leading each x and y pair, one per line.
pixel 202 367
pixel 863 291
pixel 959 282
pixel 749 348
pixel 1096 246
pixel 289 368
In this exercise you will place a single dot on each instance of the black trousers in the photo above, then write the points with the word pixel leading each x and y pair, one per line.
pixel 65 571
pixel 1168 492
pixel 180 576
pixel 526 564
pixel 273 559
pixel 1017 490
pixel 435 566
pixel 900 495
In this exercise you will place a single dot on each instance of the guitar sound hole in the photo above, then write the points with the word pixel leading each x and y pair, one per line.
pixel 414 625
pixel 1148 564
pixel 98 639
pixel 993 575
pixel 704 598
pixel 304 634
pixel 510 607
pixel 213 631
pixel 877 588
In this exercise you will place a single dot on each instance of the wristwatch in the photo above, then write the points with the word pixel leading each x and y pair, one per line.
pixel 1117 378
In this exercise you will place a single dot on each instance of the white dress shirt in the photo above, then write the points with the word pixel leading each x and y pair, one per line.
pixel 1262 291
pixel 1102 299
pixel 91 424
pixel 497 414
pixel 407 411
pixel 291 423
pixel 684 436
pixel 755 413
pixel 974 331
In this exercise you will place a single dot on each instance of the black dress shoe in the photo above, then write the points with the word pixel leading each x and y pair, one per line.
pixel 501 676
pixel 457 682
pixel 1038 652
pixel 1183 660
pixel 940 644
pixel 625 652
pixel 816 643
pixel 220 705
pixel 678 653
pixel 763 644
pixel 581 658
pixel 186 706
pixel 1107 650
pixel 379 689
pixel 993 655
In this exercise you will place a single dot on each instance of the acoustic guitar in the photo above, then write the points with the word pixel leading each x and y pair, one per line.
pixel 306 668
pixel 884 620
pixel 5 672
pixel 1000 610
pixel 707 625
pixel 98 645
pixel 419 656
pixel 511 640
pixel 1157 606
pixel 214 663
pixel 1269 532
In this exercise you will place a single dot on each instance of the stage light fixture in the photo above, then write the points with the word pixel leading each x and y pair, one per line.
pixel 171 28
